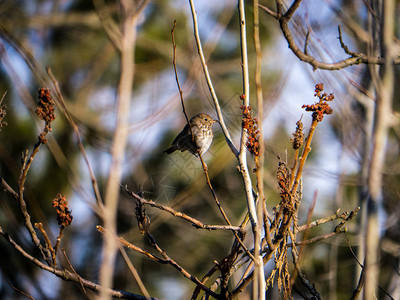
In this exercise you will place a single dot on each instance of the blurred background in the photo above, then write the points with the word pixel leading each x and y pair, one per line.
pixel 67 36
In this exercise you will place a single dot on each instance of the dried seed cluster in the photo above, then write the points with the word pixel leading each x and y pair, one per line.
pixel 322 107
pixel 64 216
pixel 298 136
pixel 45 111
pixel 283 176
pixel 250 124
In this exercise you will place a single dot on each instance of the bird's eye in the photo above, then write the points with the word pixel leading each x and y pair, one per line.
pixel 205 119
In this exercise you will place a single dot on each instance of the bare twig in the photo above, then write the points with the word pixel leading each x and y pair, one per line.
pixel 304 280
pixel 212 189
pixel 199 155
pixel 269 11
pixel 75 128
pixel 22 203
pixel 9 189
pixel 284 18
pixel 48 243
pixel 307 231
pixel 204 280
pixel 65 274
pixel 125 42
pixel 58 239
pixel 220 207
pixel 131 246
pixel 134 272
pixel 343 45
pixel 177 79
pixel 246 280
pixel 196 223
pixel 346 216
pixel 209 82
pixel 293 235
pixel 44 111
pixel 109 25
pixel 246 101
pixel 21 292
pixel 260 287
pixel 303 158
pixel 306 43
pixel 35 239
pixel 165 260
pixel 382 122
pixel 337 215
pixel 140 8
pixel 73 270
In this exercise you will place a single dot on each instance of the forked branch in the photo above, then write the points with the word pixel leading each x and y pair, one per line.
pixel 355 57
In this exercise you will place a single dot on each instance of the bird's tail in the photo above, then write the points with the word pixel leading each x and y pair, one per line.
pixel 170 150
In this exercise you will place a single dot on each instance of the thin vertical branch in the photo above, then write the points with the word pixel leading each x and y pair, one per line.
pixel 124 94
pixel 73 270
pixel 369 107
pixel 385 89
pixel 242 160
pixel 259 288
pixel 190 127
pixel 22 204
pixel 177 79
pixel 246 92
pixel 208 80
pixel 75 128
pixel 303 158
pixel 134 272
pixel 199 154
pixel 261 209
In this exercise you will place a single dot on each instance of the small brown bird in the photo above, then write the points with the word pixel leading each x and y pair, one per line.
pixel 203 135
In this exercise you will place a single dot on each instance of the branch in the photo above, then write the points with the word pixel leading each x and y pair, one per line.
pixel 292 9
pixel 73 270
pixel 259 160
pixel 344 46
pixel 269 11
pixel 346 216
pixel 139 9
pixel 355 59
pixel 221 209
pixel 48 243
pixel 75 128
pixel 22 204
pixel 110 27
pixel 337 215
pixel 21 292
pixel 246 280
pixel 209 82
pixel 45 112
pixel 120 139
pixel 177 79
pixel 198 152
pixel 134 272
pixel 246 101
pixel 165 260
pixel 304 280
pixel 385 89
pixel 8 188
pixel 196 223
pixel 67 275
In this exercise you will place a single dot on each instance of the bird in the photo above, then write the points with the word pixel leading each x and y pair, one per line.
pixel 201 125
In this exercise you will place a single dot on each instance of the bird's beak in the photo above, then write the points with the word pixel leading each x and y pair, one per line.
pixel 215 121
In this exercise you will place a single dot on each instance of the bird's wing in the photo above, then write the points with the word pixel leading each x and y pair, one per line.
pixel 185 131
